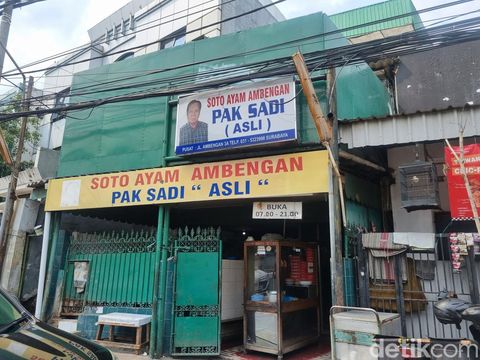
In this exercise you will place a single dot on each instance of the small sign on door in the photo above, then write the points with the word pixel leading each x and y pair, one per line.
pixel 277 210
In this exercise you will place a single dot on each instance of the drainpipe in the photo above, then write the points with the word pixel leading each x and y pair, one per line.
pixel 51 261
pixel 43 263
pixel 159 287
pixel 156 291
pixel 163 282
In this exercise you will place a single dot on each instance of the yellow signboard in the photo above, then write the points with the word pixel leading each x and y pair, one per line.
pixel 272 176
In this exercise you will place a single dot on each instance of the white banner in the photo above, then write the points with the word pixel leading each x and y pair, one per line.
pixel 259 113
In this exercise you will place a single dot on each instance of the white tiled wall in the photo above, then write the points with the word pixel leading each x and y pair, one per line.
pixel 232 289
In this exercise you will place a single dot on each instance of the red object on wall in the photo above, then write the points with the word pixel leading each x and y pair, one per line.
pixel 459 203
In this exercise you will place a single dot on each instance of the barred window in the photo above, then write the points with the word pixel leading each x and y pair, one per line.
pixel 62 99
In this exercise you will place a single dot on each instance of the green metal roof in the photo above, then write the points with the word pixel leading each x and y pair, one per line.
pixel 375 12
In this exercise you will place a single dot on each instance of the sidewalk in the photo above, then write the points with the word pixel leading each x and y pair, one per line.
pixel 127 356
pixel 315 352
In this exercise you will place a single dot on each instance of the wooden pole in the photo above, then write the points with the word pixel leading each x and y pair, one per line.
pixel 328 138
pixel 324 130
pixel 4 151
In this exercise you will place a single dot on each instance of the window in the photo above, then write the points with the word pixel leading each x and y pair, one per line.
pixel 62 99
pixel 118 29
pixel 180 40
pixel 126 55
pixel 175 39
pixel 109 35
pixel 132 22
pixel 125 26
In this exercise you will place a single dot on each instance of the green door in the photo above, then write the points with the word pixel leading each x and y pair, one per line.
pixel 196 308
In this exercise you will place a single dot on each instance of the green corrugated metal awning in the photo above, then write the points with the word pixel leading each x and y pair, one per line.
pixel 375 12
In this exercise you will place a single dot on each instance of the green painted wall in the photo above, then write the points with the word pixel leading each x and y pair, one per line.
pixel 363 202
pixel 129 135
pixel 375 12
pixel 360 94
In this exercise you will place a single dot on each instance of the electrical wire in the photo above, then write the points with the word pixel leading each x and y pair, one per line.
pixel 451 17
pixel 348 51
pixel 421 40
pixel 142 73
pixel 139 28
pixel 247 13
pixel 312 59
pixel 156 41
pixel 79 94
pixel 439 19
pixel 209 74
pixel 337 74
pixel 172 36
pixel 423 10
pixel 20 102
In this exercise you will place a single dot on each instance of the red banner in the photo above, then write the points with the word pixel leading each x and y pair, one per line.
pixel 459 203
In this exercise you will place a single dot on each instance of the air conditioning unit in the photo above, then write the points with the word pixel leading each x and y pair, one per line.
pixel 419 186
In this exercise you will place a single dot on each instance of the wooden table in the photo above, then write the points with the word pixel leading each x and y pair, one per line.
pixel 137 321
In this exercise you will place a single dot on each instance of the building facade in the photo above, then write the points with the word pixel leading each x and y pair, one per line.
pixel 138 28
pixel 184 193
pixel 436 98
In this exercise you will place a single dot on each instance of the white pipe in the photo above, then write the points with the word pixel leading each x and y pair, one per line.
pixel 43 264
pixel 331 220
pixel 396 90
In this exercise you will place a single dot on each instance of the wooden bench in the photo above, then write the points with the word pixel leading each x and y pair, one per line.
pixel 137 321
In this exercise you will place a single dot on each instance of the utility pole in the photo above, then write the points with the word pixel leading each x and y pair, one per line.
pixel 337 208
pixel 6 21
pixel 4 31
pixel 328 138
pixel 12 186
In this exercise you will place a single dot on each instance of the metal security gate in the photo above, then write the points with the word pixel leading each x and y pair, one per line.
pixel 196 303
pixel 411 280
pixel 109 269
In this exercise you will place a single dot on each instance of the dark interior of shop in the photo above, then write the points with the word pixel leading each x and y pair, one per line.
pixel 236 223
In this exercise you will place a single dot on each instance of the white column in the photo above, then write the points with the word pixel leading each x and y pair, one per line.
pixel 43 264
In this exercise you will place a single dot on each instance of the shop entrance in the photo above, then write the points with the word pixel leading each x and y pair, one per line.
pixel 236 226
pixel 116 249
pixel 196 304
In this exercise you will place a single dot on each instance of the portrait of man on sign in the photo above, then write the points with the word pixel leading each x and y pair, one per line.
pixel 194 131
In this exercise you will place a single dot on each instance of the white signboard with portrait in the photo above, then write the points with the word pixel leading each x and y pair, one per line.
pixel 254 114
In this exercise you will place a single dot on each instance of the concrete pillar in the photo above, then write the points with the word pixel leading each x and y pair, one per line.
pixel 24 217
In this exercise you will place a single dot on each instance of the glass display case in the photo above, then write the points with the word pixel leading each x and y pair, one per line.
pixel 281 304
